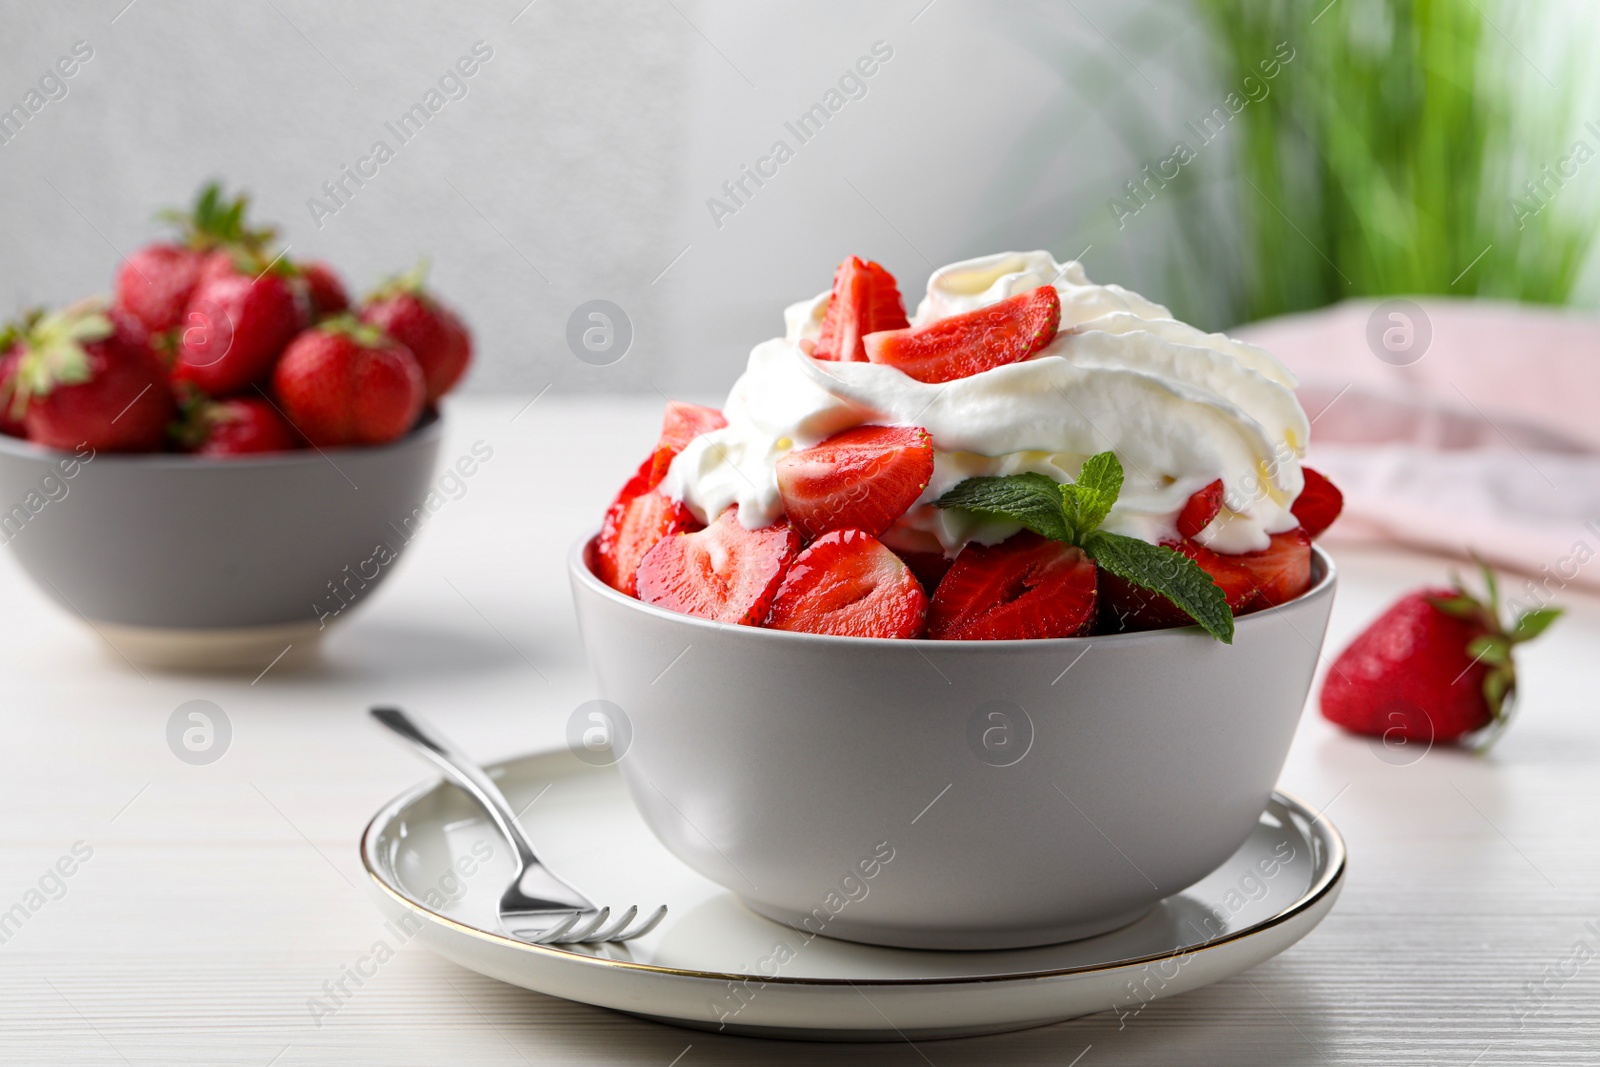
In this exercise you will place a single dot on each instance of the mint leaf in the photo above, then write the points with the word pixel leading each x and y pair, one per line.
pixel 1168 572
pixel 1088 499
pixel 1031 499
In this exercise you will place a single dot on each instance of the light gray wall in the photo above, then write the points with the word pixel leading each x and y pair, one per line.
pixel 579 163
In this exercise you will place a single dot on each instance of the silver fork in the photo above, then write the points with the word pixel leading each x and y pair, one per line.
pixel 536 907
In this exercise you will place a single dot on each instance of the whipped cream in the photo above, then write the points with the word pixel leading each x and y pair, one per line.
pixel 1179 407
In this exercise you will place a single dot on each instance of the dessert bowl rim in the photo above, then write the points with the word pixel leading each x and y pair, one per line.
pixel 578 565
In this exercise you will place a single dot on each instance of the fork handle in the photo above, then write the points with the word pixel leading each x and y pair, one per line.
pixel 463 772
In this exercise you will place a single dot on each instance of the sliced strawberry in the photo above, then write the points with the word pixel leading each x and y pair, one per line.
pixel 1024 587
pixel 723 572
pixel 919 550
pixel 862 479
pixel 1318 504
pixel 1200 509
pixel 683 422
pixel 865 300
pixel 929 567
pixel 1278 573
pixel 963 345
pixel 847 583
pixel 633 525
pixel 1250 580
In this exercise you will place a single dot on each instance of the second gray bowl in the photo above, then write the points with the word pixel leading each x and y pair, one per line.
pixel 184 561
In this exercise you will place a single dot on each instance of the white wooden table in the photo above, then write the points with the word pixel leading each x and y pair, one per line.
pixel 219 899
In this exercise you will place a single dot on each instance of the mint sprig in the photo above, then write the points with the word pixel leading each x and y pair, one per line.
pixel 1072 513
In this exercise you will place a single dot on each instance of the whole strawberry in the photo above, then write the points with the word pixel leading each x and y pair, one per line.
pixel 406 311
pixel 344 382
pixel 1434 667
pixel 324 291
pixel 155 283
pixel 86 376
pixel 234 329
pixel 237 426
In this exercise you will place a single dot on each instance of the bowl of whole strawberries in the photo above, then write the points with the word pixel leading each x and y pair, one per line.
pixel 214 464
pixel 981 629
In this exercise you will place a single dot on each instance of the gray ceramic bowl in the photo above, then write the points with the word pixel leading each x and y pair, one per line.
pixel 950 794
pixel 182 561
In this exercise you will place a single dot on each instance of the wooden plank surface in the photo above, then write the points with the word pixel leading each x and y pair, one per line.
pixel 218 899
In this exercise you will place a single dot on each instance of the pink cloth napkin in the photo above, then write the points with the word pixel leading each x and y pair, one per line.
pixel 1459 426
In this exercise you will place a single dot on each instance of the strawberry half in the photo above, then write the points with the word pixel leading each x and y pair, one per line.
pixel 848 584
pixel 963 345
pixel 861 479
pixel 724 572
pixel 1200 509
pixel 1318 504
pixel 637 519
pixel 865 300
pixel 1024 587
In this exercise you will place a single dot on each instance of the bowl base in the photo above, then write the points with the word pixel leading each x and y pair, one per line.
pixel 235 649
pixel 957 939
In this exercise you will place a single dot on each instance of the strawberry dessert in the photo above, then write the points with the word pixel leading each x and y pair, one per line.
pixel 1029 455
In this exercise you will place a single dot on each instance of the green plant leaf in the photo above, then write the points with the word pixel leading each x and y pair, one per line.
pixel 1088 498
pixel 1168 572
pixel 1031 499
pixel 1531 624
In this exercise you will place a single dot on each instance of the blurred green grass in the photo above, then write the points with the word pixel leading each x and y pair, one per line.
pixel 1386 159
pixel 1389 156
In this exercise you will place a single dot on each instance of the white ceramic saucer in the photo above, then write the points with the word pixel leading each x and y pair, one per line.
pixel 438 868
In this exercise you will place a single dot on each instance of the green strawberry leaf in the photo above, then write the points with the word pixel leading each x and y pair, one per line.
pixel 1461 605
pixel 1088 499
pixel 1168 572
pixel 1034 500
pixel 52 349
pixel 413 281
pixel 1492 649
pixel 1491 582
pixel 1531 624
pixel 1496 685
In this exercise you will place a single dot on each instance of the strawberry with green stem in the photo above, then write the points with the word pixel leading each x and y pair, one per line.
pixel 12 406
pixel 1437 665
pixel 155 283
pixel 86 376
pixel 234 426
pixel 1071 514
pixel 406 310
pixel 344 382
